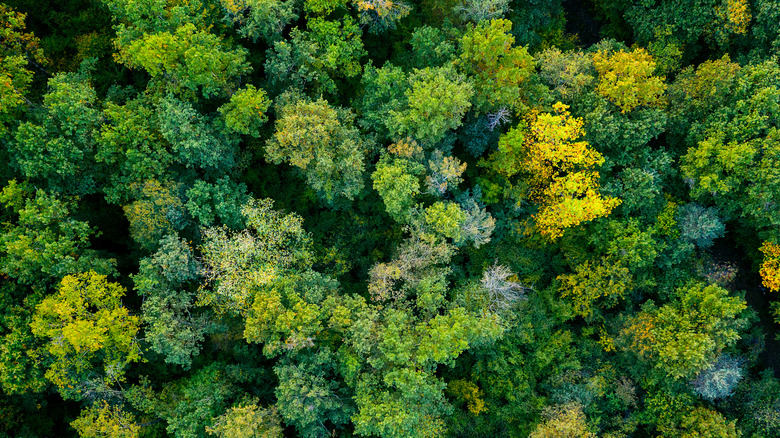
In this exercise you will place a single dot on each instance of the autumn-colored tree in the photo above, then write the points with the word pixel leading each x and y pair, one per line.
pixel 770 267
pixel 247 420
pixel 555 170
pixel 626 79
pixel 563 421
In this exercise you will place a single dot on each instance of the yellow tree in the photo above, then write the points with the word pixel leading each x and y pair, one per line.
pixel 559 173
pixel 626 79
pixel 770 268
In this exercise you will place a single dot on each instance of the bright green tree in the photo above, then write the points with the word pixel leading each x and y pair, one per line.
pixel 498 70
pixel 86 326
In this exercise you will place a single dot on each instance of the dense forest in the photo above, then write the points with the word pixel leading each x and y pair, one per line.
pixel 390 218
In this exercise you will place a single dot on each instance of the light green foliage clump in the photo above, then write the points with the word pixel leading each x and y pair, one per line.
pixel 498 70
pixel 437 100
pixel 240 262
pixel 397 181
pixel 86 327
pixel 103 420
pixel 322 141
pixel 187 60
pixel 684 336
pixel 246 111
pixel 247 420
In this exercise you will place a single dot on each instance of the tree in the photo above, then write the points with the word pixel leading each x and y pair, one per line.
pixel 314 58
pixel 194 140
pixel 569 73
pixel 555 171
pixel 58 150
pixel 770 267
pixel 396 180
pixel 699 225
pixel 381 15
pixel 218 203
pixel 43 242
pixel 238 263
pixel 131 148
pixel 323 142
pixel 382 92
pixel 17 51
pixel 684 336
pixel 187 60
pixel 482 10
pixel 174 328
pixel 310 397
pixel 626 79
pixel 594 280
pixel 247 420
pixel 191 404
pixel 719 379
pixel 563 421
pixel 157 211
pixel 438 98
pixel 259 18
pixel 498 70
pixel 246 111
pixel 702 422
pixel 85 326
pixel 103 420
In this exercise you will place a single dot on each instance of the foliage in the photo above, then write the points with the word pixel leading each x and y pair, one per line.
pixel 44 242
pixel 720 379
pixel 323 142
pixel 85 325
pixel 187 59
pixel 626 79
pixel 438 98
pixel 381 15
pixel 259 18
pixel 158 211
pixel 238 262
pixel 397 183
pixel 247 420
pixel 327 50
pixel 683 337
pixel 498 70
pixel 246 111
pixel 770 267
pixel 563 421
pixel 173 328
pixel 102 420
pixel 17 50
pixel 699 225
